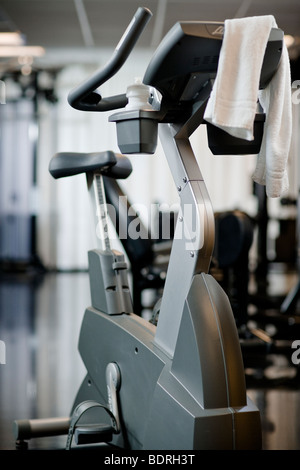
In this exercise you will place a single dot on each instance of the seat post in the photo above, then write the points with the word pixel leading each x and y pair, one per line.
pixel 98 200
pixel 108 274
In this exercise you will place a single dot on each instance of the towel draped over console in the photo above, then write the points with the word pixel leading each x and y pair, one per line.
pixel 233 101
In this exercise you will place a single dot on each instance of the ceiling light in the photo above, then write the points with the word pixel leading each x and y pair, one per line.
pixel 289 40
pixel 17 51
pixel 12 39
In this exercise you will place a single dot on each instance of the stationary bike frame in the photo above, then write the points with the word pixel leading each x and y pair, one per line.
pixel 182 382
pixel 179 385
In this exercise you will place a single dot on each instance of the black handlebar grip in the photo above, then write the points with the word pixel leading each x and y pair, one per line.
pixel 84 97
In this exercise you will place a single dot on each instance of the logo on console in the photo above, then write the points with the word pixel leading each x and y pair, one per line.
pixel 219 30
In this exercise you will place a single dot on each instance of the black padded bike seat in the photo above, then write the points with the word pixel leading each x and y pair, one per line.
pixel 108 163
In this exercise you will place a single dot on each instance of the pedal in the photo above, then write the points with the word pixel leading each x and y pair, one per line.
pixel 93 434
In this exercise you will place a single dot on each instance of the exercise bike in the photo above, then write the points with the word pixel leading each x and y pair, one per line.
pixel 180 384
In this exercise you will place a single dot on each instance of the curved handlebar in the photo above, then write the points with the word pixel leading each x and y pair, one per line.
pixel 84 97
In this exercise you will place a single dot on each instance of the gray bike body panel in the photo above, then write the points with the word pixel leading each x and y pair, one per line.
pixel 195 400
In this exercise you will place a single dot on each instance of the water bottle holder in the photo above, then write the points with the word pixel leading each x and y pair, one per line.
pixel 136 131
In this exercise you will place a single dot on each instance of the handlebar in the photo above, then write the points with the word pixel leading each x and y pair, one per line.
pixel 84 97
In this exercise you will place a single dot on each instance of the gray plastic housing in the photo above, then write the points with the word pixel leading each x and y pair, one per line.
pixel 108 282
pixel 136 131
pixel 195 400
pixel 222 143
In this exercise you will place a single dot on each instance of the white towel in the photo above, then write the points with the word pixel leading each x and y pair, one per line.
pixel 233 101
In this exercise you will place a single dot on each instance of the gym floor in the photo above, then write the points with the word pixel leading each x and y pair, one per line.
pixel 40 317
